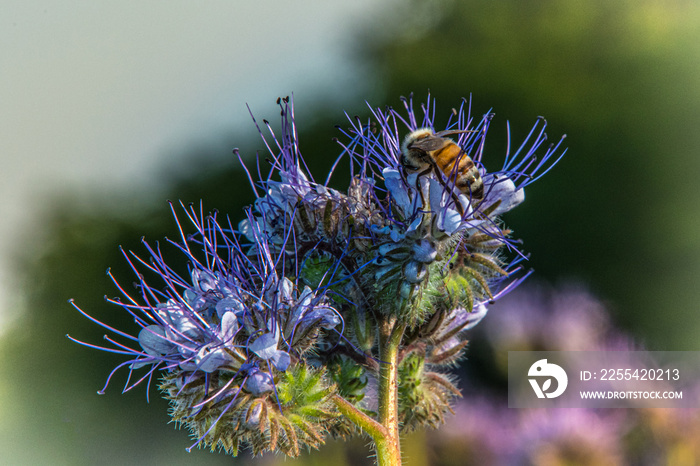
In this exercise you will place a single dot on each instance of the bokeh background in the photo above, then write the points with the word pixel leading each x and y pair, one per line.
pixel 110 109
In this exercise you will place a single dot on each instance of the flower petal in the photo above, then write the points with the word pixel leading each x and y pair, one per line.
pixel 258 382
pixel 398 190
pixel 229 327
pixel 210 358
pixel 154 342
pixel 265 346
pixel 504 190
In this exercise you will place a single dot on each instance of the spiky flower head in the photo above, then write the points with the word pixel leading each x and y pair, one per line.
pixel 393 230
pixel 233 341
pixel 428 224
pixel 404 243
pixel 280 316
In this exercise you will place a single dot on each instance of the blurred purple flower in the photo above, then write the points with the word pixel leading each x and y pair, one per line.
pixel 483 431
pixel 480 432
pixel 541 318
pixel 571 436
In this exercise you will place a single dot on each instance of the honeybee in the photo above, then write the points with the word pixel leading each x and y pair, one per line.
pixel 425 150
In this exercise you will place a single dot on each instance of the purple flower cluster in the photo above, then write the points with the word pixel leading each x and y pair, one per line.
pixel 280 314
pixel 393 230
pixel 236 318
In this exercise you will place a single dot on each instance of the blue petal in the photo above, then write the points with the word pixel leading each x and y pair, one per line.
pixel 258 382
pixel 245 228
pixel 229 327
pixel 396 186
pixel 286 287
pixel 424 251
pixel 504 190
pixel 449 221
pixel 209 360
pixel 281 360
pixel 326 317
pixel 476 315
pixel 229 304
pixel 265 346
pixel 154 342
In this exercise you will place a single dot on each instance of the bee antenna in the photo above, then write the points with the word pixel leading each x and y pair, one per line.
pixel 455 131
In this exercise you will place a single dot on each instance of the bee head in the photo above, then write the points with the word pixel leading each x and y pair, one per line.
pixel 415 136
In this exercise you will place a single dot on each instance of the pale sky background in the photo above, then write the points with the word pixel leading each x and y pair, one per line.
pixel 96 95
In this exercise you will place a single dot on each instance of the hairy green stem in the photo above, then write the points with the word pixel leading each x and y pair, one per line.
pixel 360 419
pixel 385 430
pixel 389 447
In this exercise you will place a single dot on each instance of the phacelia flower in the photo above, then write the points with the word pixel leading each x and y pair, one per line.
pixel 279 318
pixel 232 341
pixel 400 243
pixel 394 230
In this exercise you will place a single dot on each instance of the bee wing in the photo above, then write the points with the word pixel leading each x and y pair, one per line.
pixel 428 144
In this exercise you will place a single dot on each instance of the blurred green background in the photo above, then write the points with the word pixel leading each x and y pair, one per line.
pixel 620 211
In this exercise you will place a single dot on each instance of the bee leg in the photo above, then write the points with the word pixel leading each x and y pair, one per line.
pixel 404 177
pixel 420 191
pixel 458 204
